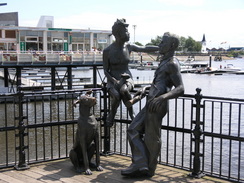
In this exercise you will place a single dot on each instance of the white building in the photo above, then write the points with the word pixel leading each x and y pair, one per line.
pixel 46 38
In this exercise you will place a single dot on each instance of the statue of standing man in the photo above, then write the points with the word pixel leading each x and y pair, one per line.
pixel 116 58
pixel 144 133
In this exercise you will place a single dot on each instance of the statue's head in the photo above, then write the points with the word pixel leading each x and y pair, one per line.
pixel 173 40
pixel 86 100
pixel 120 29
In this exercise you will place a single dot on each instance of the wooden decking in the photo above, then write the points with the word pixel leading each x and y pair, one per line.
pixel 62 171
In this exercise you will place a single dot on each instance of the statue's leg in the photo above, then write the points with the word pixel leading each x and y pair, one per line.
pixel 138 149
pixel 126 97
pixel 75 159
pixel 152 138
pixel 113 110
pixel 91 151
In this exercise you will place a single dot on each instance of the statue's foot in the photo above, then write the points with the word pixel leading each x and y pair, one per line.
pixel 136 171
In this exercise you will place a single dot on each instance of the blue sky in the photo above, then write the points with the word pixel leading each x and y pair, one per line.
pixel 220 20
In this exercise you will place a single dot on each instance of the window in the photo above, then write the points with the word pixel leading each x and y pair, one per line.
pixel 60 40
pixel 31 39
pixel 0 33
pixel 10 34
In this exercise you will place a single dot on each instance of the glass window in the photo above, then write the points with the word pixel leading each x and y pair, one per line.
pixel 22 33
pixel 10 34
pixel 66 34
pixel 0 33
pixel 2 46
pixel 77 34
pixel 58 40
pixel 22 38
pixel 40 39
pixel 77 39
pixel 31 33
pixel 31 39
pixel 57 47
pixel 87 35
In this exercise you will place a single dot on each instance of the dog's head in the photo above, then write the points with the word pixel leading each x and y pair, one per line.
pixel 87 100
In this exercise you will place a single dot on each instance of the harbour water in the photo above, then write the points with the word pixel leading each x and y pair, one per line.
pixel 224 85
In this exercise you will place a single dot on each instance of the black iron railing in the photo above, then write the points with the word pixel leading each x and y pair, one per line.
pixel 204 135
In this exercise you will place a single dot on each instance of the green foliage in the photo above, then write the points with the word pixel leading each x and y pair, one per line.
pixel 182 44
pixel 139 44
pixel 186 44
pixel 155 41
pixel 192 45
pixel 235 53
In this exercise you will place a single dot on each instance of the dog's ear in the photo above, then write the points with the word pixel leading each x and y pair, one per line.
pixel 89 92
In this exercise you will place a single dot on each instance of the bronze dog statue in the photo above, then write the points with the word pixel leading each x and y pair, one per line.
pixel 87 138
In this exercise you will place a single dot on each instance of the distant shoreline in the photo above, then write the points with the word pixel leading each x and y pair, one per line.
pixel 184 58
pixel 202 58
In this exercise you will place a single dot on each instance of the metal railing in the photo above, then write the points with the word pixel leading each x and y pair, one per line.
pixel 85 57
pixel 201 134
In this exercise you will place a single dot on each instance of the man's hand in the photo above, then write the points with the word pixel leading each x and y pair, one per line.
pixel 155 104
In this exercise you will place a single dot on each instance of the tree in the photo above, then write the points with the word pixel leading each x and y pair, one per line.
pixel 139 44
pixel 186 44
pixel 182 44
pixel 155 41
pixel 192 45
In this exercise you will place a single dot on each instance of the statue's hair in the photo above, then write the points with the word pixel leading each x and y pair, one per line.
pixel 117 26
pixel 174 39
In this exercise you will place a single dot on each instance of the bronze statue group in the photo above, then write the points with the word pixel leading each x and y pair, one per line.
pixel 144 132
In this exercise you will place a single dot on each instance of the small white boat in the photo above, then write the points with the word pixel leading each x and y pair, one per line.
pixel 230 68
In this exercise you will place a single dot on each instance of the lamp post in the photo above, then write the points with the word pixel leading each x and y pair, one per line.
pixel 134 26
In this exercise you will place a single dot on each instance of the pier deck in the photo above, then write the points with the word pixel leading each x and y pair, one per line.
pixel 62 171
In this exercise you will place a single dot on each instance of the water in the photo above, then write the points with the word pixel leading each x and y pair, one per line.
pixel 225 85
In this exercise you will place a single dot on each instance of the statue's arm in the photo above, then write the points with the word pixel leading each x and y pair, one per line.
pixel 178 90
pixel 141 93
pixel 176 81
pixel 137 48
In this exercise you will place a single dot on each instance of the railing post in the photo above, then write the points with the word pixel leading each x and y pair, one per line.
pixel 18 75
pixel 6 77
pixel 106 137
pixel 21 128
pixel 53 79
pixel 197 132
pixel 95 76
pixel 69 79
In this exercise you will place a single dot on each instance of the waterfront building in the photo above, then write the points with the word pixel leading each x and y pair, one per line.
pixel 46 38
